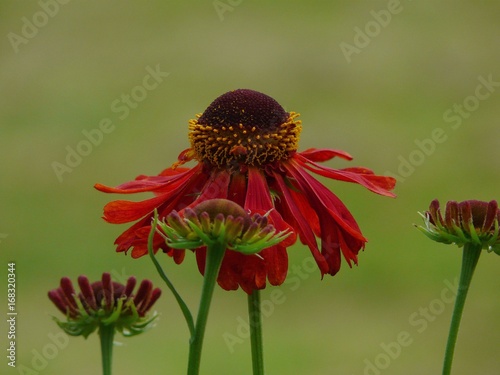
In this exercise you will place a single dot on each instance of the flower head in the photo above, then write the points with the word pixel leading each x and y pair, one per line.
pixel 220 221
pixel 243 127
pixel 104 302
pixel 245 147
pixel 470 221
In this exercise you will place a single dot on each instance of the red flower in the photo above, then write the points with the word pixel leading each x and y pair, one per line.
pixel 245 146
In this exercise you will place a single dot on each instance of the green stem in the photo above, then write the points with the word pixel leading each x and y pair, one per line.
pixel 215 254
pixel 470 257
pixel 184 308
pixel 255 318
pixel 106 334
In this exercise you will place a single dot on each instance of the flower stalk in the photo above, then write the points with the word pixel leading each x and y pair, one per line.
pixel 214 261
pixel 106 335
pixel 470 258
pixel 182 305
pixel 255 318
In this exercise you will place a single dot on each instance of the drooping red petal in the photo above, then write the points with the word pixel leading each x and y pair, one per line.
pixel 119 212
pixel 125 240
pixel 320 197
pixel 175 171
pixel 140 185
pixel 363 176
pixel 151 183
pixel 258 199
pixel 302 223
pixel 216 187
pixel 331 248
pixel 258 195
pixel 384 182
pixel 237 270
pixel 238 189
pixel 307 211
pixel 324 154
pixel 252 271
pixel 139 243
pixel 249 271
pixel 137 235
pixel 336 222
pixel 287 184
pixel 276 261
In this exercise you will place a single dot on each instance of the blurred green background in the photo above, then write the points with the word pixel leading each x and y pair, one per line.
pixel 374 78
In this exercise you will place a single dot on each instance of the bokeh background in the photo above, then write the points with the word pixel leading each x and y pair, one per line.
pixel 376 96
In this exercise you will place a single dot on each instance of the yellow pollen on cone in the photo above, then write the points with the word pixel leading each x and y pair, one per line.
pixel 248 145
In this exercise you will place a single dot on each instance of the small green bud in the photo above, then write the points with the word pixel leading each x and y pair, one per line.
pixel 104 303
pixel 470 221
pixel 222 221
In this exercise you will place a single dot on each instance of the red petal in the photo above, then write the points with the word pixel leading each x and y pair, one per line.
pixel 252 272
pixel 173 172
pixel 247 271
pixel 276 260
pixel 320 197
pixel 339 230
pixel 365 177
pixel 258 194
pixel 228 276
pixel 324 154
pixel 124 240
pixel 258 200
pixel 303 223
pixel 140 242
pixel 152 183
pixel 216 187
pixel 238 189
pixel 119 212
pixel 385 182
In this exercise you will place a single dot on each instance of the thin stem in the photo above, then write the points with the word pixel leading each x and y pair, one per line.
pixel 470 257
pixel 255 318
pixel 215 254
pixel 106 334
pixel 184 308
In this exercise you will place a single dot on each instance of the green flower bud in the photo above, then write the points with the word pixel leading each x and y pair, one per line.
pixel 104 303
pixel 219 221
pixel 470 221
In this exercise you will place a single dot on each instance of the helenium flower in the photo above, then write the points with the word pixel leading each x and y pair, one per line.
pixel 245 146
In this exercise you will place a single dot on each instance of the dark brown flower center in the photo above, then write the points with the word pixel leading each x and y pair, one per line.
pixel 244 127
